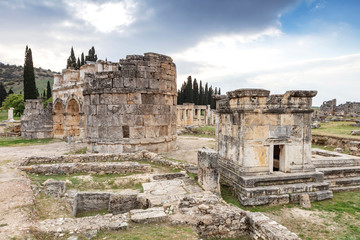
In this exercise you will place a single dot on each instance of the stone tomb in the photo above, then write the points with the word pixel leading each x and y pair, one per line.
pixel 263 143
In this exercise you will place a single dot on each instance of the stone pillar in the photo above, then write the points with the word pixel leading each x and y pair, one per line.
pixel 11 115
pixel 208 174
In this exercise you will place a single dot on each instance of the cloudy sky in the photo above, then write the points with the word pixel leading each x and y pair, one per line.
pixel 272 44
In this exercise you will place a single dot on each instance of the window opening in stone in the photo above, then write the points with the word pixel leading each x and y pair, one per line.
pixel 276 162
pixel 126 131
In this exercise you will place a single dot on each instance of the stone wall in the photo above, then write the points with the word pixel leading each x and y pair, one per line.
pixel 328 107
pixel 132 109
pixel 347 109
pixel 36 122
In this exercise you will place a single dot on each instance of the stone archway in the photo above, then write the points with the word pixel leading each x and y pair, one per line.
pixel 73 118
pixel 58 120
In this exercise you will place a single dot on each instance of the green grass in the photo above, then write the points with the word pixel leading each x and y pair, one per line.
pixel 99 182
pixel 208 129
pixel 19 141
pixel 197 135
pixel 336 129
pixel 78 151
pixel 151 232
pixel 4 115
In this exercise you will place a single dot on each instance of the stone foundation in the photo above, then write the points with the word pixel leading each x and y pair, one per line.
pixel 345 143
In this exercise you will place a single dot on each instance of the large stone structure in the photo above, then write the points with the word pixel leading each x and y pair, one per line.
pixel 36 122
pixel 264 140
pixel 68 100
pixel 328 107
pixel 134 108
pixel 198 115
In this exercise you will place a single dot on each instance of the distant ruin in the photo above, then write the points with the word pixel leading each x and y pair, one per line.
pixel 190 114
pixel 345 109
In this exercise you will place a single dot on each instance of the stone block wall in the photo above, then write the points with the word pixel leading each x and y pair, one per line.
pixel 36 122
pixel 134 108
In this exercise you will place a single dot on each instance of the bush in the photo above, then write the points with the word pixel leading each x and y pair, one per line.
pixel 16 101
pixel 47 101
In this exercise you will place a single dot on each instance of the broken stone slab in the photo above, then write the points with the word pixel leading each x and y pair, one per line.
pixel 305 201
pixel 54 188
pixel 150 215
pixel 169 176
pixel 355 132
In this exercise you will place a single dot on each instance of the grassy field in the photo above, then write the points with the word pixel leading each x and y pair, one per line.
pixel 336 129
pixel 204 131
pixel 338 218
pixel 4 115
pixel 19 141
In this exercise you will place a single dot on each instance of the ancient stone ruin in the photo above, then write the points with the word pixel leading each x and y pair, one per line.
pixel 345 109
pixel 134 108
pixel 265 140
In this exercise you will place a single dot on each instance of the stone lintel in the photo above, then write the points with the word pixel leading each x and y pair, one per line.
pixel 248 92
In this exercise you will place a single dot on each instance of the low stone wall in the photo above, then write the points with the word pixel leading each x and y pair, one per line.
pixel 345 143
pixel 70 168
pixel 138 156
pixel 115 203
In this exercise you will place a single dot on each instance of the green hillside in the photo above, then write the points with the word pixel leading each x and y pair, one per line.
pixel 12 77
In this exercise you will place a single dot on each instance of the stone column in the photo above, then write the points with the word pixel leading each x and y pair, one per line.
pixel 11 115
pixel 208 174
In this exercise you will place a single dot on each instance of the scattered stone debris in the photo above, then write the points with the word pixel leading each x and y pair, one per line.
pixel 305 201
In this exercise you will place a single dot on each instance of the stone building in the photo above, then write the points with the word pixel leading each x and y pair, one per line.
pixel 197 115
pixel 133 108
pixel 345 109
pixel 264 140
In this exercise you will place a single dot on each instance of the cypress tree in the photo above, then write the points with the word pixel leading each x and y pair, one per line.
pixel 10 92
pixel 179 97
pixel 201 94
pixel 219 92
pixel 43 95
pixel 206 93
pixel 189 96
pixel 3 93
pixel 78 64
pixel 71 62
pixel 211 99
pixel 48 91
pixel 91 56
pixel 30 90
pixel 82 59
pixel 196 92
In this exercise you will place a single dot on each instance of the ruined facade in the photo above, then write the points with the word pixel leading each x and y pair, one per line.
pixel 258 137
pixel 197 115
pixel 328 107
pixel 68 100
pixel 36 122
pixel 134 108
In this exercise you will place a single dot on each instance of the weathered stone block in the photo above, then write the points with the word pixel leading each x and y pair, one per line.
pixel 208 175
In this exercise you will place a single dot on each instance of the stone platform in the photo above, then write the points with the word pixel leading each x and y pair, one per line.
pixel 340 170
pixel 281 188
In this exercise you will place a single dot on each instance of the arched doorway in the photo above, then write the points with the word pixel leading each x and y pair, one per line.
pixel 73 118
pixel 58 120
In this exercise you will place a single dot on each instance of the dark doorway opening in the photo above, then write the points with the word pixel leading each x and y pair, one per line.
pixel 276 157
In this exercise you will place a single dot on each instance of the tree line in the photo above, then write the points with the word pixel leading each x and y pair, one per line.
pixel 72 63
pixel 199 94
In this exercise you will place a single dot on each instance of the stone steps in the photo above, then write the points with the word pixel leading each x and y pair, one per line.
pixel 344 182
pixel 346 189
pixel 284 198
pixel 340 172
pixel 283 189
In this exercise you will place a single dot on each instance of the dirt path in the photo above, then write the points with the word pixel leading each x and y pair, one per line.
pixel 16 196
pixel 187 147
